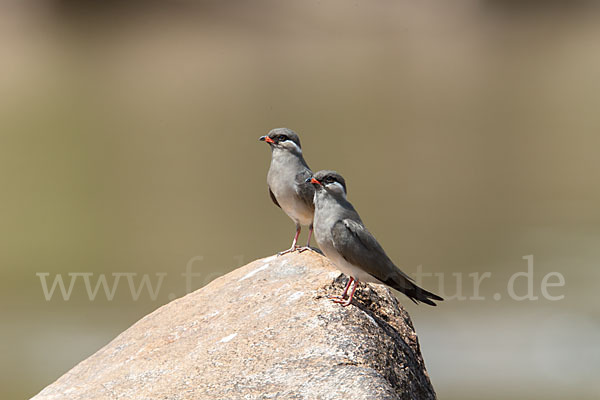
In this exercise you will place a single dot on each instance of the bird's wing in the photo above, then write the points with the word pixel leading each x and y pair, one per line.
pixel 274 198
pixel 305 191
pixel 360 248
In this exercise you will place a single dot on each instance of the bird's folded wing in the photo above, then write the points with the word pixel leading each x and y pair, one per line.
pixel 274 198
pixel 360 248
pixel 305 190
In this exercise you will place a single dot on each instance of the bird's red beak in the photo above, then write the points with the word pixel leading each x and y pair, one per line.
pixel 269 140
pixel 313 180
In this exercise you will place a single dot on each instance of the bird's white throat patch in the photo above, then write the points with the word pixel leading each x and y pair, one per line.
pixel 294 145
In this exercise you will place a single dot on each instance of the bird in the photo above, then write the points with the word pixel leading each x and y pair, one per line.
pixel 287 183
pixel 344 239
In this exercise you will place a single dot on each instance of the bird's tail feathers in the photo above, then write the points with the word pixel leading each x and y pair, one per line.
pixel 417 294
pixel 412 291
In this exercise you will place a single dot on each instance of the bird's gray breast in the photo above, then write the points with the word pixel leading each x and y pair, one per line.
pixel 326 214
pixel 285 176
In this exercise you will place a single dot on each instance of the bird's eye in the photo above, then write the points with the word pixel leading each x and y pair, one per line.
pixel 282 138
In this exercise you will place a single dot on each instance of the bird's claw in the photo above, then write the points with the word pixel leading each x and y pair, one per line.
pixel 344 301
pixel 290 250
pixel 340 300
pixel 304 248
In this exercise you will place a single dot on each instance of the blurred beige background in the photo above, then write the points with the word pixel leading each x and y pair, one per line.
pixel 468 132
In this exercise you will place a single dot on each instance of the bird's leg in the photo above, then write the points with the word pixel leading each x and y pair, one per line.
pixel 307 247
pixel 294 247
pixel 338 299
pixel 346 302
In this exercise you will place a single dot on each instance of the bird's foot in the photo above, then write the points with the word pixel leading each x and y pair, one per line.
pixel 304 248
pixel 290 250
pixel 341 300
pixel 345 299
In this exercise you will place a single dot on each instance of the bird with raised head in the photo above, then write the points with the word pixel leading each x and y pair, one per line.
pixel 287 181
pixel 342 236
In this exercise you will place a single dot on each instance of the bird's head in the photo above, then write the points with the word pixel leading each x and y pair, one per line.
pixel 330 181
pixel 283 139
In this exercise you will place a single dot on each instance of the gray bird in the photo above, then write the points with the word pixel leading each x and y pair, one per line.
pixel 342 236
pixel 287 183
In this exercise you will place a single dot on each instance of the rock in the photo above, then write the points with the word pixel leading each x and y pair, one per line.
pixel 263 331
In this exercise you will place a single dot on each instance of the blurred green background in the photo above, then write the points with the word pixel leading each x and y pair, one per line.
pixel 468 133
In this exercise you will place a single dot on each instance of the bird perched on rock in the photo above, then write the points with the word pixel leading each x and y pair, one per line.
pixel 342 236
pixel 287 181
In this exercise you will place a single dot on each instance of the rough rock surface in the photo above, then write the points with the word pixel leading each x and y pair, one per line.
pixel 263 331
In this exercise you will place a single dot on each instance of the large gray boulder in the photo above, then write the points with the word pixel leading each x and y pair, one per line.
pixel 263 331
